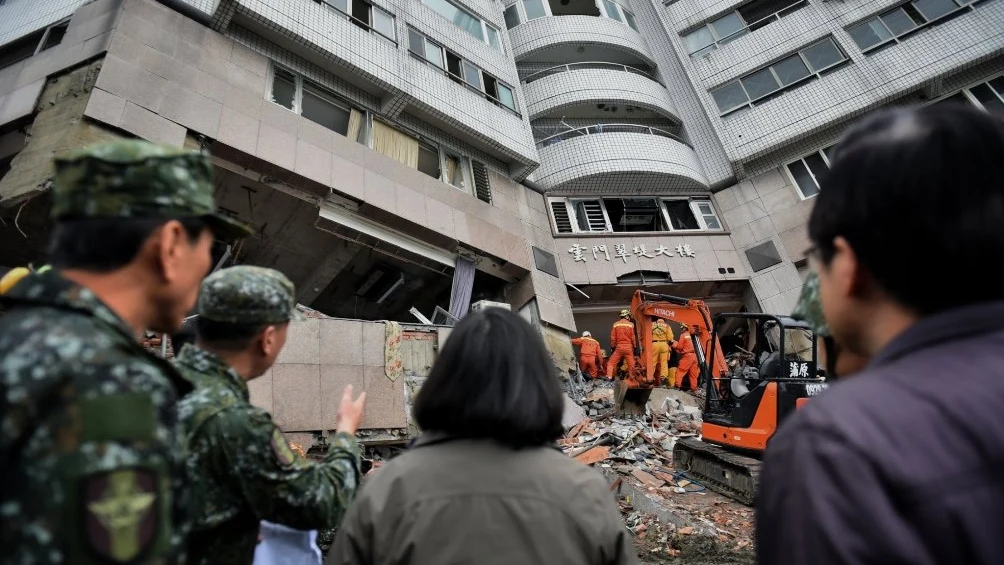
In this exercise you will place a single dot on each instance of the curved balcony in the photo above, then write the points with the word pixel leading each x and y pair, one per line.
pixel 562 37
pixel 618 159
pixel 560 87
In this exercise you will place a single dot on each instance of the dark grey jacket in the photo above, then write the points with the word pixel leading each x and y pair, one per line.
pixel 903 463
pixel 451 502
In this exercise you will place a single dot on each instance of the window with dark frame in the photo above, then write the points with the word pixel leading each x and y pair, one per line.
pixel 467 21
pixel 461 70
pixel 893 25
pixel 366 15
pixel 637 214
pixel 33 43
pixel 737 23
pixel 805 64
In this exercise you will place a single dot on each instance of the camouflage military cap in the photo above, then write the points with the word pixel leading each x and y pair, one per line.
pixel 248 295
pixel 809 308
pixel 137 179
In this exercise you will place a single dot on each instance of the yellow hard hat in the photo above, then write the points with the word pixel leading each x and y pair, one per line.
pixel 12 277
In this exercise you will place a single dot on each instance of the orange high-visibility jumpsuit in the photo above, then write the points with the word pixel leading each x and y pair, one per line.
pixel 622 340
pixel 662 336
pixel 686 372
pixel 590 355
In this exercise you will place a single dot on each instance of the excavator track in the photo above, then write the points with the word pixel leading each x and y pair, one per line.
pixel 735 476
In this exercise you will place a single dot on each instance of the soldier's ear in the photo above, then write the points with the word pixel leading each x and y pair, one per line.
pixel 167 242
pixel 268 341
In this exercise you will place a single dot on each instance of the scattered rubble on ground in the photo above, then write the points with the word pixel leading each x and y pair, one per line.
pixel 636 453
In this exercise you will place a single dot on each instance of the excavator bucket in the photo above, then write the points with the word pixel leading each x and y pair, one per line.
pixel 630 401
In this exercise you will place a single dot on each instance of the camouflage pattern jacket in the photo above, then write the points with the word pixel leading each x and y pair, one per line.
pixel 242 470
pixel 90 458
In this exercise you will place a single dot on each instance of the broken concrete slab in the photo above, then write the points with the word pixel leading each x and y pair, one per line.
pixel 573 413
pixel 665 400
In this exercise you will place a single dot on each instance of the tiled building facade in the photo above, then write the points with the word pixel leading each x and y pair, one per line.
pixel 570 150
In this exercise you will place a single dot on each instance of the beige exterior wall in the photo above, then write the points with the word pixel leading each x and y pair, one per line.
pixel 768 207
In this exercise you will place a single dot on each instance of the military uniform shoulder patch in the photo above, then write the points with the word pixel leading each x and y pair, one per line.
pixel 121 514
pixel 283 452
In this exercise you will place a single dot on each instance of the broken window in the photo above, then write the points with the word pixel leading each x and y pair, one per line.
pixel 284 89
pixel 454 173
pixel 322 108
pixel 453 66
pixel 428 159
pixel 20 50
pixel 366 16
pixel 808 171
pixel 681 217
pixel 634 215
pixel 54 36
pixel 651 214
pixel 590 215
pixel 317 103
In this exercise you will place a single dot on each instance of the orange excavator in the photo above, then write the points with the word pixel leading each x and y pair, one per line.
pixel 769 371
pixel 755 370
pixel 633 387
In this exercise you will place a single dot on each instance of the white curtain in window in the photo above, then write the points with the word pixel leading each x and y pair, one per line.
pixel 395 144
pixel 355 124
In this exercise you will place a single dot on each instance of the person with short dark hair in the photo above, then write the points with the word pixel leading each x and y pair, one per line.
pixel 183 337
pixel 902 463
pixel 485 483
pixel 241 468
pixel 91 462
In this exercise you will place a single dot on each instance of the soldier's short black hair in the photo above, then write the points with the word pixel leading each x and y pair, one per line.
pixel 102 245
pixel 493 379
pixel 226 336
pixel 910 186
pixel 183 336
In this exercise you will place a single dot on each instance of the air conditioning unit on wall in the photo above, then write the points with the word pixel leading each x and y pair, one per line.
pixel 484 304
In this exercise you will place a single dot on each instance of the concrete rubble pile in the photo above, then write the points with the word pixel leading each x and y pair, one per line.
pixel 670 516
pixel 641 447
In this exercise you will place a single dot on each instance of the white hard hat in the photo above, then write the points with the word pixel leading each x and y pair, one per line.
pixel 586 334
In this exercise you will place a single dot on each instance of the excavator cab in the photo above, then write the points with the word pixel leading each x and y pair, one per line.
pixel 769 371
pixel 765 350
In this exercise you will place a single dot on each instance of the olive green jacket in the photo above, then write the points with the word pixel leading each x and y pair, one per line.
pixel 460 501
pixel 242 471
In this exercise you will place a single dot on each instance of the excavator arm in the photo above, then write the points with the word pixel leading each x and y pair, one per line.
pixel 634 387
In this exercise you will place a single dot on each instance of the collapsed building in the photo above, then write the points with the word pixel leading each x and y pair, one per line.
pixel 402 160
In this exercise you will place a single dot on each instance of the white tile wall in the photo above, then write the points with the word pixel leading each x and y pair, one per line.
pixel 589 86
pixel 542 33
pixel 669 163
pixel 21 17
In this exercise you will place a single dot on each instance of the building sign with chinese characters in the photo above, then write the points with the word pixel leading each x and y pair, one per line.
pixel 620 251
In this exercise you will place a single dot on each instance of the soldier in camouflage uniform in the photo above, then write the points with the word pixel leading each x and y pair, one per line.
pixel 242 469
pixel 838 362
pixel 90 458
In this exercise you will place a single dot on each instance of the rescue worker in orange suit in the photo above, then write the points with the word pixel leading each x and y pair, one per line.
pixel 686 372
pixel 590 354
pixel 662 336
pixel 622 341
